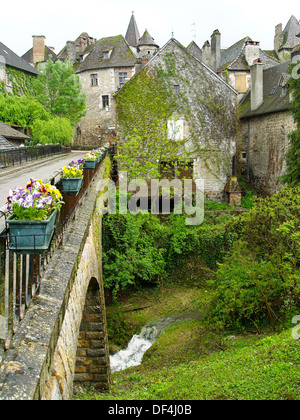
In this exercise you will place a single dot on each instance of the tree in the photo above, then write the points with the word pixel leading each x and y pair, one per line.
pixel 55 130
pixel 59 91
pixel 21 110
pixel 292 176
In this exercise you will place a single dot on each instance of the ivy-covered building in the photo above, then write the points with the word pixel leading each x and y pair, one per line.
pixel 177 99
pixel 14 71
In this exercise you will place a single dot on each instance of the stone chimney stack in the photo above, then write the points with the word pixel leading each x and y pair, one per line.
pixel 252 52
pixel 216 50
pixel 38 48
pixel 206 53
pixel 257 85
pixel 278 39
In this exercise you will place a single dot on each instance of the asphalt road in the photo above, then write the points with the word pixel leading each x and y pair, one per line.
pixel 43 169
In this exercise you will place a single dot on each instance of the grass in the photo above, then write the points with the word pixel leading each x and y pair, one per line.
pixel 190 362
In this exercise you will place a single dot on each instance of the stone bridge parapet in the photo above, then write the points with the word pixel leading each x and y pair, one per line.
pixel 63 337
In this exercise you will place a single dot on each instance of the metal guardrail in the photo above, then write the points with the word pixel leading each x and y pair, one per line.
pixel 21 155
pixel 20 275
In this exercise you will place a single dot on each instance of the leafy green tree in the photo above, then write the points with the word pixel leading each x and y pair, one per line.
pixel 59 91
pixel 21 110
pixel 292 176
pixel 55 130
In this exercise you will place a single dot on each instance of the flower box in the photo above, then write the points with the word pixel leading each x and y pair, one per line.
pixel 34 209
pixel 90 164
pixel 31 236
pixel 71 185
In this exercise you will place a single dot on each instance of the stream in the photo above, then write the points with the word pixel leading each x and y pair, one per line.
pixel 139 344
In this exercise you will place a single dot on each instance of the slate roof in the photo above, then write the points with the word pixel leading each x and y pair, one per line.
pixel 147 40
pixel 233 58
pixel 121 55
pixel 273 101
pixel 10 133
pixel 194 49
pixel 5 144
pixel 132 36
pixel 290 34
pixel 13 60
pixel 28 56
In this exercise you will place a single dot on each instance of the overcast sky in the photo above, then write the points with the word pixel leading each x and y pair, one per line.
pixel 63 20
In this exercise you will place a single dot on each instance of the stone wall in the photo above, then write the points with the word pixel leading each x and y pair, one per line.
pixel 40 365
pixel 268 144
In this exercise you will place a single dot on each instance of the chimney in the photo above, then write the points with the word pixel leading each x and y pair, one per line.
pixel 257 97
pixel 206 53
pixel 252 52
pixel 38 49
pixel 216 50
pixel 278 39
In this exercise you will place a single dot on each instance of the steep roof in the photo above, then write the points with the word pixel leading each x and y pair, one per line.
pixel 10 133
pixel 5 144
pixel 178 44
pixel 28 56
pixel 147 40
pixel 194 49
pixel 273 99
pixel 132 35
pixel 13 60
pixel 120 55
pixel 233 58
pixel 290 33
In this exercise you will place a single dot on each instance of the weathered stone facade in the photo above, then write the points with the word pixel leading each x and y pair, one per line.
pixel 205 114
pixel 266 150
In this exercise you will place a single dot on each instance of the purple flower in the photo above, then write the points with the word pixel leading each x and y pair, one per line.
pixel 48 200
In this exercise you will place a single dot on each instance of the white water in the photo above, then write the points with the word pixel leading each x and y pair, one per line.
pixel 135 351
pixel 139 344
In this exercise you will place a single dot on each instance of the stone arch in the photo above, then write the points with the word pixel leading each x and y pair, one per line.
pixel 92 358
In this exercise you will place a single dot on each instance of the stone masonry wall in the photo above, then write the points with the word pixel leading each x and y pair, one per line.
pixel 40 364
pixel 269 143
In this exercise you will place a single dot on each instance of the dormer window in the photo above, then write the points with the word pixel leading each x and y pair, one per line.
pixel 284 90
pixel 106 55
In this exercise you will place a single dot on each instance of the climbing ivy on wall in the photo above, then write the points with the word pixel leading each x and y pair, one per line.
pixel 148 101
pixel 22 83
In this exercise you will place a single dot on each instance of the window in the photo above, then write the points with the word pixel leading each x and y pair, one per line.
pixel 241 83
pixel 94 79
pixel 106 55
pixel 176 129
pixel 176 89
pixel 123 77
pixel 284 90
pixel 105 101
pixel 8 80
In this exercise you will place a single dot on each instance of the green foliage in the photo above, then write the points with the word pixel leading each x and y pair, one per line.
pixel 58 89
pixel 260 279
pixel 55 130
pixel 292 176
pixel 21 110
pixel 145 248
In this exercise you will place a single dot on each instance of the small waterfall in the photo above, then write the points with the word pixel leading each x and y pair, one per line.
pixel 135 351
pixel 139 344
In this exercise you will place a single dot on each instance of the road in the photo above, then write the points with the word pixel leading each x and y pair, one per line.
pixel 18 176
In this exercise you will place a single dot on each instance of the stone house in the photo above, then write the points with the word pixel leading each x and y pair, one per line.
pixel 39 53
pixel 286 40
pixel 107 67
pixel 204 115
pixel 76 51
pixel 265 124
pixel 10 62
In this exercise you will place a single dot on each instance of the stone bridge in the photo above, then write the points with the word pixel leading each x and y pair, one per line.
pixel 62 340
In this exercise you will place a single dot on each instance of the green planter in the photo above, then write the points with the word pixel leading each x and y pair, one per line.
pixel 72 185
pixel 31 236
pixel 90 164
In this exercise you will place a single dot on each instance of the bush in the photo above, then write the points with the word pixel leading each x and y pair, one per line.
pixel 260 279
pixel 56 130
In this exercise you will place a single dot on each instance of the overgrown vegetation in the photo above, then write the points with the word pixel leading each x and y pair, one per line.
pixel 292 176
pixel 50 105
